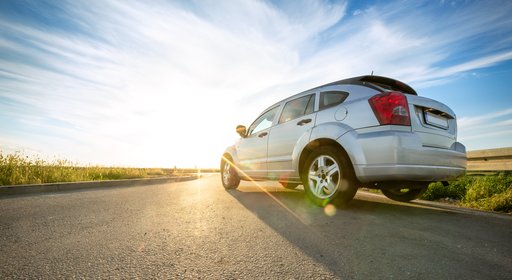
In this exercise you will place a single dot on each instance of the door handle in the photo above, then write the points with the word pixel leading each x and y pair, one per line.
pixel 263 134
pixel 303 122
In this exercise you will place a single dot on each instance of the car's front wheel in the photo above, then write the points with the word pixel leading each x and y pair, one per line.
pixel 405 194
pixel 328 177
pixel 230 178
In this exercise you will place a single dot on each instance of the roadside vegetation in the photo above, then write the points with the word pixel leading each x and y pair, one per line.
pixel 485 192
pixel 16 169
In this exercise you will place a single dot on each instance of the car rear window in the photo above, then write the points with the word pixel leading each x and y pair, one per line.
pixel 332 98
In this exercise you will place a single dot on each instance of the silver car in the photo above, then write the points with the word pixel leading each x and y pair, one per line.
pixel 366 131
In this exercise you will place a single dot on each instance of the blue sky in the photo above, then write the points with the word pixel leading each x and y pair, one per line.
pixel 164 83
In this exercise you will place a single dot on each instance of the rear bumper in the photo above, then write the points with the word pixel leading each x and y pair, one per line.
pixel 399 155
pixel 379 173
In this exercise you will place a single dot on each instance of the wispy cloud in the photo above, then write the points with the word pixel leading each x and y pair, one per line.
pixel 142 83
pixel 496 126
pixel 152 82
pixel 487 119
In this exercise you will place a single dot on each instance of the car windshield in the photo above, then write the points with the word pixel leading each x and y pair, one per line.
pixel 263 122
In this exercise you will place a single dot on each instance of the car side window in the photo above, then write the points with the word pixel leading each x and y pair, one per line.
pixel 297 108
pixel 263 122
pixel 332 98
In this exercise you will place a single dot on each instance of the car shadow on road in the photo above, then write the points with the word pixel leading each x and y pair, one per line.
pixel 370 238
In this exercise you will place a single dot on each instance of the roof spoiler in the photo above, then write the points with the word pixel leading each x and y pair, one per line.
pixel 382 82
pixel 388 82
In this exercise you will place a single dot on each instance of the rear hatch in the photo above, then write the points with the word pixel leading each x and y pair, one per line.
pixel 433 121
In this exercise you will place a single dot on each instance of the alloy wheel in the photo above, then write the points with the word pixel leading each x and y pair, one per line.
pixel 324 176
pixel 226 174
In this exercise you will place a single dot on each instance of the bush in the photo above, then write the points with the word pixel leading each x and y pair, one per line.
pixel 493 192
pixel 487 186
pixel 456 189
pixel 501 202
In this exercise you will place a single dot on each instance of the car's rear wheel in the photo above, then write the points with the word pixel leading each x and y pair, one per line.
pixel 328 177
pixel 289 185
pixel 405 194
pixel 230 178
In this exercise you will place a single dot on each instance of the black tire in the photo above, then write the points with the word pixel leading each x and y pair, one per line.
pixel 404 194
pixel 229 176
pixel 289 185
pixel 323 188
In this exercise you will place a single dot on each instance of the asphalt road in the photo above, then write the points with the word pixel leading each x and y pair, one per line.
pixel 196 229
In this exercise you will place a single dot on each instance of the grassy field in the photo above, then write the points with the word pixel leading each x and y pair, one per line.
pixel 18 169
pixel 491 192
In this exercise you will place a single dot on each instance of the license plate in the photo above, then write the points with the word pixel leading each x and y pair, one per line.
pixel 436 120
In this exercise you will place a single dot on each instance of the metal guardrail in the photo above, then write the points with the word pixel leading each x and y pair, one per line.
pixel 490 160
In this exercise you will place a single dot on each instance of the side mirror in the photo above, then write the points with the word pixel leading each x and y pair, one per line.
pixel 241 130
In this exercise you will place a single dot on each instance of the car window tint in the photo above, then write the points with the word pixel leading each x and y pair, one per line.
pixel 332 98
pixel 297 108
pixel 263 122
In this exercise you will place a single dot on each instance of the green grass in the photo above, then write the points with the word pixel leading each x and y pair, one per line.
pixel 492 192
pixel 16 169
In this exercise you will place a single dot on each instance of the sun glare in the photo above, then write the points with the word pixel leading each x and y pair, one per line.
pixel 162 84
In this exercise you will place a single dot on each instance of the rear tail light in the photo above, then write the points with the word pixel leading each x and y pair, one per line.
pixel 391 108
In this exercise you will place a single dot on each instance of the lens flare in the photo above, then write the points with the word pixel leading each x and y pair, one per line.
pixel 330 210
pixel 264 190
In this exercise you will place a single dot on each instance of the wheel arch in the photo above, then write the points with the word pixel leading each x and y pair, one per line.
pixel 225 156
pixel 311 146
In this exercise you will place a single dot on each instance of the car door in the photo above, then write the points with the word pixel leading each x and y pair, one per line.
pixel 252 150
pixel 295 121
